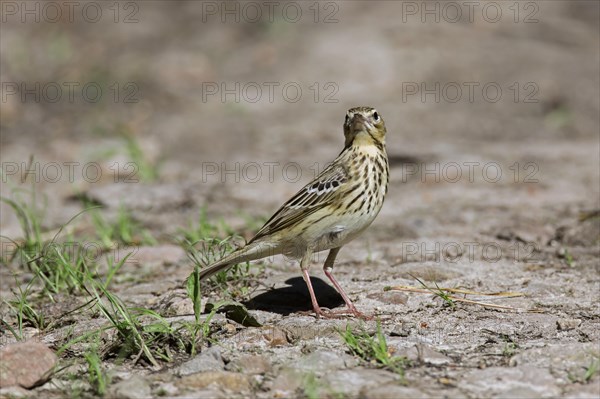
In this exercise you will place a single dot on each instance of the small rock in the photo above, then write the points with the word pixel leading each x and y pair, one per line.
pixel 251 364
pixel 235 382
pixel 287 381
pixel 320 361
pixel 433 358
pixel 392 391
pixel 275 336
pixel 176 302
pixel 182 307
pixel 568 324
pixel 400 330
pixel 134 388
pixel 351 382
pixel 208 360
pixel 230 328
pixel 27 364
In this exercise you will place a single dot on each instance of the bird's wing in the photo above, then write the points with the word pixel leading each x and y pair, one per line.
pixel 314 196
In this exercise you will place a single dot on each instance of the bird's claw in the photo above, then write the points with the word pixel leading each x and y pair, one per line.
pixel 338 314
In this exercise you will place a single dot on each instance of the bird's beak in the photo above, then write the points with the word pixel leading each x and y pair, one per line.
pixel 359 123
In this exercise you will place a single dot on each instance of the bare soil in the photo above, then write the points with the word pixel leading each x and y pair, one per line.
pixel 487 194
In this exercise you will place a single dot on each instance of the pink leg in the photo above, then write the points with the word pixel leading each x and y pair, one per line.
pixel 327 268
pixel 313 298
pixel 304 265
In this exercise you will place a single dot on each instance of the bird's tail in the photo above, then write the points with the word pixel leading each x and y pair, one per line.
pixel 254 251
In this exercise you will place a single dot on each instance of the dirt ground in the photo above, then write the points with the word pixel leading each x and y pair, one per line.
pixel 493 139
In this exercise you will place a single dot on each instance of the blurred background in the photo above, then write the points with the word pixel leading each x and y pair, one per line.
pixel 190 120
pixel 167 107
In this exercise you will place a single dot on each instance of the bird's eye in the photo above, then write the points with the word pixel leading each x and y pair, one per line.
pixel 376 116
pixel 347 118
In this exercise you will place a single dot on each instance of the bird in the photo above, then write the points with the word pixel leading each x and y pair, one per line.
pixel 330 211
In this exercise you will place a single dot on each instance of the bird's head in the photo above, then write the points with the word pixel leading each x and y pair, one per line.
pixel 364 126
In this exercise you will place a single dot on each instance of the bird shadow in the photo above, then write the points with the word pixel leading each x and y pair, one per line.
pixel 295 297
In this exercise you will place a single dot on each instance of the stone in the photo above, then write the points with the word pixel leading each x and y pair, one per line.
pixel 251 364
pixel 182 307
pixel 400 330
pixel 320 361
pixel 135 387
pixel 568 324
pixel 275 336
pixel 208 360
pixel 433 358
pixel 26 364
pixel 227 380
pixel 287 381
pixel 392 391
pixel 351 382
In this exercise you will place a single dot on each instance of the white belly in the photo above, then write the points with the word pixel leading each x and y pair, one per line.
pixel 344 230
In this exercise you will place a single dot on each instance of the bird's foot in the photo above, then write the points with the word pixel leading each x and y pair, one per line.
pixel 339 314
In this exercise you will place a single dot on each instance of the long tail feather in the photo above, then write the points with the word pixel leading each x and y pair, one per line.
pixel 254 251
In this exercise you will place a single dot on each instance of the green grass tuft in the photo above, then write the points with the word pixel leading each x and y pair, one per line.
pixel 373 349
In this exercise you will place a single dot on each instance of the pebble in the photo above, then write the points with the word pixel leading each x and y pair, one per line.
pixel 134 388
pixel 208 360
pixel 400 330
pixel 226 380
pixel 275 336
pixel 392 391
pixel 568 324
pixel 251 364
pixel 351 382
pixel 287 381
pixel 320 361
pixel 26 364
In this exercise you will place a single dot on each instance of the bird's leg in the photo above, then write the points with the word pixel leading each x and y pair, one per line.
pixel 328 268
pixel 305 265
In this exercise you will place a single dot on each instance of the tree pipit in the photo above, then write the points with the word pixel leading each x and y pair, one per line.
pixel 330 211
